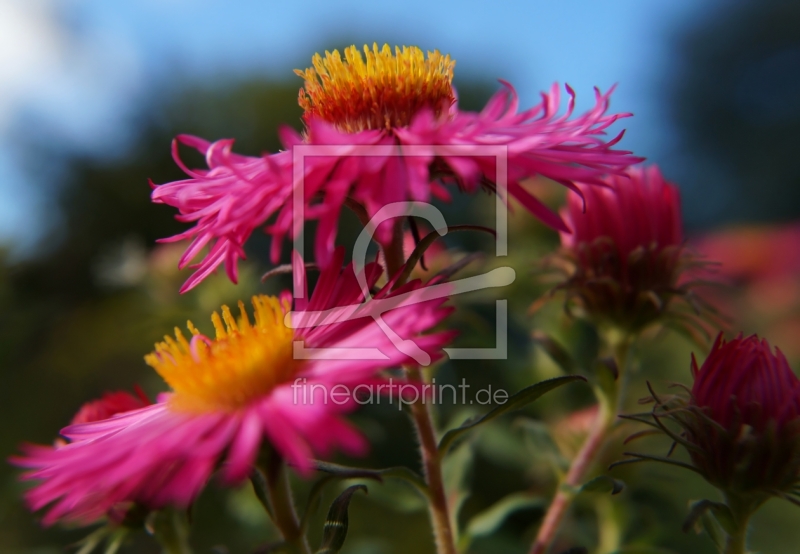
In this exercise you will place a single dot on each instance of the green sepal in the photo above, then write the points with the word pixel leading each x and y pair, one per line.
pixel 335 530
pixel 515 402
pixel 722 514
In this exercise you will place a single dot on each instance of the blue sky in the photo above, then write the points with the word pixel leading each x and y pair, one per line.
pixel 78 65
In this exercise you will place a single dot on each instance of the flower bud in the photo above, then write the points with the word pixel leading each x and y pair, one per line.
pixel 625 249
pixel 745 421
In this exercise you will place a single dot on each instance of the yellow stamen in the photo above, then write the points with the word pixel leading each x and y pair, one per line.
pixel 245 361
pixel 383 92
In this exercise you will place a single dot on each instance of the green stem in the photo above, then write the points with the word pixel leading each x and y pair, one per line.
pixel 608 525
pixel 283 512
pixel 608 402
pixel 736 543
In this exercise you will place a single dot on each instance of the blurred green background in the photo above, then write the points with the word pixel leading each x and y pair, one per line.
pixel 89 292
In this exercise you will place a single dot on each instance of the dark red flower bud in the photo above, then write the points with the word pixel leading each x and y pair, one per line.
pixel 625 249
pixel 745 418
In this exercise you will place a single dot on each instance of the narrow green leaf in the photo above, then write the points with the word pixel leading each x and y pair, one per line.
pixel 90 542
pixel 335 531
pixel 115 542
pixel 489 520
pixel 557 353
pixel 260 487
pixel 603 483
pixel 517 401
pixel 336 472
pixel 399 472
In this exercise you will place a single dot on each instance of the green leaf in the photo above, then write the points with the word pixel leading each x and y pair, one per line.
pixel 338 472
pixel 489 520
pixel 517 401
pixel 557 353
pixel 399 472
pixel 91 541
pixel 335 530
pixel 722 514
pixel 540 443
pixel 603 483
pixel 115 541
pixel 261 488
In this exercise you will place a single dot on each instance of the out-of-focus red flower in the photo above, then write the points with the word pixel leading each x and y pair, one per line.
pixel 760 266
pixel 625 254
pixel 110 404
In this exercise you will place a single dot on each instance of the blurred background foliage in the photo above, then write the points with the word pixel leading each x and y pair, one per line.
pixel 78 315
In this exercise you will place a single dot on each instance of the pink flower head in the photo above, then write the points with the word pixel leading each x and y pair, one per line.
pixel 386 128
pixel 232 393
pixel 626 247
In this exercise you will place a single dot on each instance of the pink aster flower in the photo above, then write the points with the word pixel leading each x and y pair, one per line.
pixel 404 103
pixel 232 393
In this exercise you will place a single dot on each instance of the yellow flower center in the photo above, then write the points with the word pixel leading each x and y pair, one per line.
pixel 383 91
pixel 244 362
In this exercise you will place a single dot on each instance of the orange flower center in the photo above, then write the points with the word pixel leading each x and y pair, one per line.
pixel 244 362
pixel 380 90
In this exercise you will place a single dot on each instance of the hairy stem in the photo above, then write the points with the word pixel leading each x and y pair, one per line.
pixel 282 506
pixel 428 444
pixel 583 461
pixel 431 460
